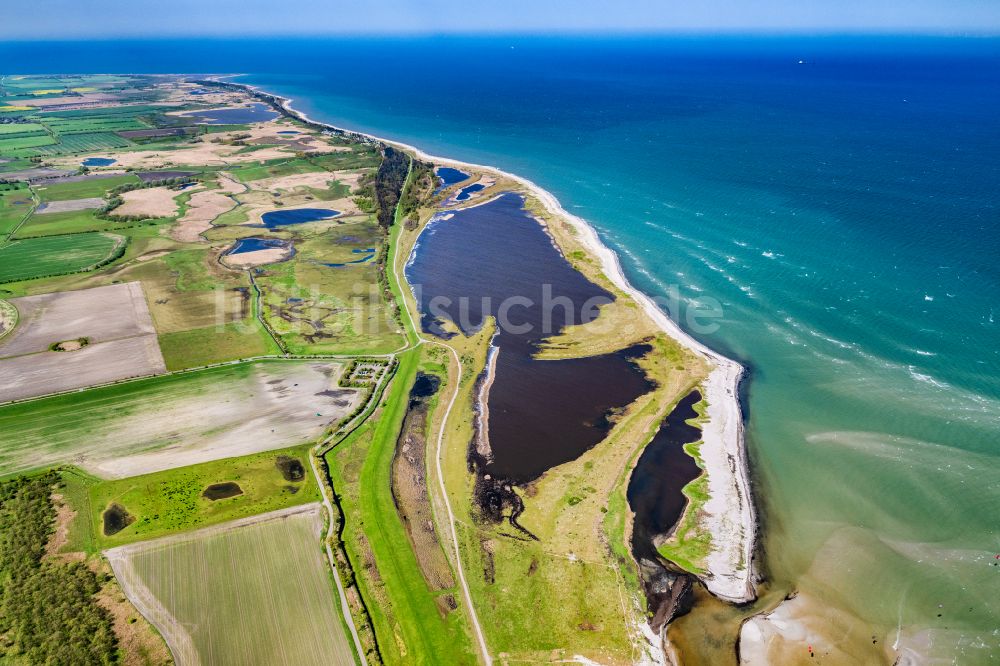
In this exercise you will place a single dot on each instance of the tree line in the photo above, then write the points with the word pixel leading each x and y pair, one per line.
pixel 48 610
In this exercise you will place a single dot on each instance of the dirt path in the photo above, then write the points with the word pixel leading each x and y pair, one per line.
pixel 452 532
pixel 345 608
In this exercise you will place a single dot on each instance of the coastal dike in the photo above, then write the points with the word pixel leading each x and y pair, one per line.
pixel 727 516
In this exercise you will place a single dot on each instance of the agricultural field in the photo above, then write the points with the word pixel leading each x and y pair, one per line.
pixel 117 187
pixel 57 255
pixel 186 498
pixel 175 420
pixel 16 201
pixel 76 339
pixel 252 592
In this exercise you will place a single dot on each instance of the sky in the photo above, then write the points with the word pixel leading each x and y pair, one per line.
pixel 70 19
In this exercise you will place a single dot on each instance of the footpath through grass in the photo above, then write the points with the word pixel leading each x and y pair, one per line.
pixel 412 623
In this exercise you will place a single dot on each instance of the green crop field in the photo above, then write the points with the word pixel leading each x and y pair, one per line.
pixel 97 124
pixel 83 189
pixel 171 501
pixel 70 222
pixel 56 255
pixel 24 145
pixel 14 205
pixel 213 344
pixel 75 143
pixel 250 594
pixel 21 128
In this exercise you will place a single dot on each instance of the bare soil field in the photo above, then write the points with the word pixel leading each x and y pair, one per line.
pixel 101 314
pixel 148 202
pixel 203 208
pixel 54 371
pixel 121 341
pixel 69 206
pixel 257 257
pixel 175 420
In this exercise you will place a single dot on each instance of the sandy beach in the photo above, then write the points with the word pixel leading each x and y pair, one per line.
pixel 729 513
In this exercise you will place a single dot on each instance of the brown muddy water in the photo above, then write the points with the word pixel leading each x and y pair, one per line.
pixel 116 518
pixel 291 468
pixel 542 412
pixel 224 490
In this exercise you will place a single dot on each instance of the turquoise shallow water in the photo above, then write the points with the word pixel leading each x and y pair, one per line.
pixel 843 211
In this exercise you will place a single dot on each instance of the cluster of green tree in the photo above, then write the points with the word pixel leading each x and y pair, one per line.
pixel 389 181
pixel 48 613
pixel 419 187
pixel 359 609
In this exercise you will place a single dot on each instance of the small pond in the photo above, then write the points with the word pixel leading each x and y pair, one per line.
pixel 291 468
pixel 98 161
pixel 254 244
pixel 368 253
pixel 223 490
pixel 468 191
pixel 116 518
pixel 282 218
pixel 450 176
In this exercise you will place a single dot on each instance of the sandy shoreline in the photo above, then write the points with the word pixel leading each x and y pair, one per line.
pixel 729 513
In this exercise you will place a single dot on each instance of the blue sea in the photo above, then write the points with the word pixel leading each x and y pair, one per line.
pixel 838 198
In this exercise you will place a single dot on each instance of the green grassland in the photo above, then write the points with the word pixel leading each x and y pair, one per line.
pixel 335 309
pixel 15 202
pixel 255 594
pixel 274 168
pixel 70 222
pixel 409 621
pixel 204 346
pixel 171 501
pixel 7 130
pixel 55 255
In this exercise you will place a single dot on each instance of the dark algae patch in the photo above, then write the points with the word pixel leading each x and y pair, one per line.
pixel 542 413
pixel 291 468
pixel 218 491
pixel 655 497
pixel 116 518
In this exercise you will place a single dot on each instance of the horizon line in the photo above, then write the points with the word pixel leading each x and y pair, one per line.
pixel 757 33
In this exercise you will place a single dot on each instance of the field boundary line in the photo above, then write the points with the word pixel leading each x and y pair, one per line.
pixel 345 607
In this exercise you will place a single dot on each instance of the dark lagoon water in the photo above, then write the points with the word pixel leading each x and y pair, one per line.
pixel 654 489
pixel 468 191
pixel 98 161
pixel 253 244
pixel 283 218
pixel 255 113
pixel 542 413
pixel 450 176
